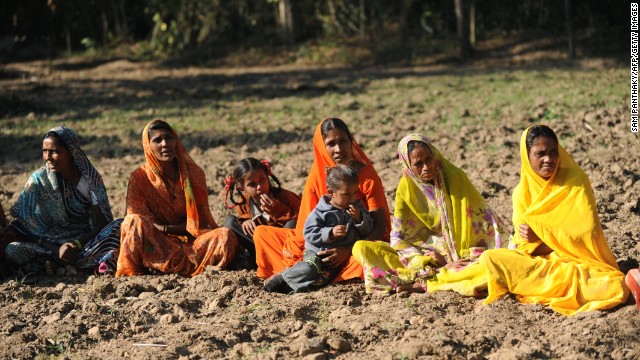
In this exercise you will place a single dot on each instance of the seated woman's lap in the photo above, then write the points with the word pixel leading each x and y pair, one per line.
pixel 146 247
pixel 352 270
pixel 270 243
pixel 377 253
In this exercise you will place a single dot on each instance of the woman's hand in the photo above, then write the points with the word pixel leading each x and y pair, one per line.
pixel 439 259
pixel 336 257
pixel 68 252
pixel 527 233
pixel 248 227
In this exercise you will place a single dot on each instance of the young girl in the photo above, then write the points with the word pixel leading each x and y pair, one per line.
pixel 260 203
pixel 339 219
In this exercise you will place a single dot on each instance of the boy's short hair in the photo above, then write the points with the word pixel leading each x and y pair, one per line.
pixel 341 174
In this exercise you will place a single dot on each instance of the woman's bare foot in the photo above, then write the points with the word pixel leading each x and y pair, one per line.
pixel 411 288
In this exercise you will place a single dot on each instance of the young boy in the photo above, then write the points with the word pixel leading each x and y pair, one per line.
pixel 337 220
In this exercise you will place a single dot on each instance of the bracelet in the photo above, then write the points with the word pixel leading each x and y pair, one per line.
pixel 77 242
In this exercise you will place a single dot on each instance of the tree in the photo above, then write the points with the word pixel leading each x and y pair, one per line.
pixel 463 29
pixel 286 20
pixel 568 14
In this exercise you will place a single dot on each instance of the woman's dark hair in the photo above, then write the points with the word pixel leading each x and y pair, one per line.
pixel 411 145
pixel 56 139
pixel 159 125
pixel 537 131
pixel 334 123
pixel 341 174
pixel 243 167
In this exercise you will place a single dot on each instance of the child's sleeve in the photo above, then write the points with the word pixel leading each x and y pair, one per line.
pixel 243 212
pixel 366 225
pixel 286 208
pixel 315 230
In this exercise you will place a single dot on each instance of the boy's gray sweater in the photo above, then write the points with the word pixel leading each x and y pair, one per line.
pixel 320 223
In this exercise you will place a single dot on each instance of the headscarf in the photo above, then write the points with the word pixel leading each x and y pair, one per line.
pixel 41 212
pixel 560 210
pixel 89 172
pixel 186 165
pixel 466 221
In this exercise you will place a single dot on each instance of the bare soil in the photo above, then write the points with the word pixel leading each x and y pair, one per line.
pixel 225 314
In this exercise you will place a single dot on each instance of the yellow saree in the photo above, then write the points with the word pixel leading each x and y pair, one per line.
pixel 448 217
pixel 581 273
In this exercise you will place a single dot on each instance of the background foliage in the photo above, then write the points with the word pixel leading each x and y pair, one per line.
pixel 206 28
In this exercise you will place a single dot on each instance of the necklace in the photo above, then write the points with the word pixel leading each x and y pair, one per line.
pixel 171 186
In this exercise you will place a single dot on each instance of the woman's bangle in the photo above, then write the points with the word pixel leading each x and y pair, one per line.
pixel 77 242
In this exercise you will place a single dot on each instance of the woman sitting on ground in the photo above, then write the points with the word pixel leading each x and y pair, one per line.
pixel 441 224
pixel 62 216
pixel 169 227
pixel 278 249
pixel 562 258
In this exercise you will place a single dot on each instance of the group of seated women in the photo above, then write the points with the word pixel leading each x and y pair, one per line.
pixel 442 236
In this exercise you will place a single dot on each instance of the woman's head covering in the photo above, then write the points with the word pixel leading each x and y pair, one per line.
pixel 466 221
pixel 561 210
pixel 192 191
pixel 80 160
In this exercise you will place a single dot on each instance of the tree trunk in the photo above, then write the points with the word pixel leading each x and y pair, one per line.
pixel 334 17
pixel 463 30
pixel 568 15
pixel 67 37
pixel 105 24
pixel 405 13
pixel 472 22
pixel 363 21
pixel 286 20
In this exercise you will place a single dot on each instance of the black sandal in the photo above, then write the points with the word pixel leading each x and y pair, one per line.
pixel 277 284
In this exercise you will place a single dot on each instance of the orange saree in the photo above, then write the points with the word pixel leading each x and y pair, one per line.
pixel 149 201
pixel 278 249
